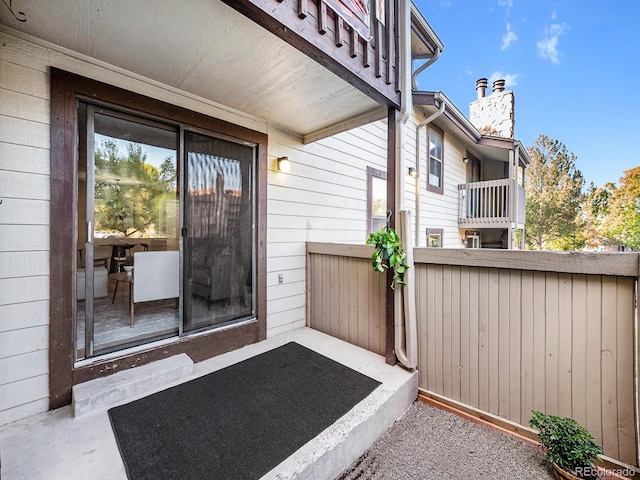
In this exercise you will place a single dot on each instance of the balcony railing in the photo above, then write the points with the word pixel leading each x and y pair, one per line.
pixel 486 203
pixel 317 30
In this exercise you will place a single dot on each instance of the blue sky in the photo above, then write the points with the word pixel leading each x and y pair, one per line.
pixel 574 68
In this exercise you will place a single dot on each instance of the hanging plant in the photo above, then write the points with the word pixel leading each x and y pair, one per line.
pixel 389 253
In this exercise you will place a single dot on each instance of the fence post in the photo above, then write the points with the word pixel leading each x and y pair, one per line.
pixel 636 350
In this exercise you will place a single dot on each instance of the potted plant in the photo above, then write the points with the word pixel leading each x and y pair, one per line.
pixel 569 446
pixel 389 253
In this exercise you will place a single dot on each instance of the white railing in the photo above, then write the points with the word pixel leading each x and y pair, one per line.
pixel 484 202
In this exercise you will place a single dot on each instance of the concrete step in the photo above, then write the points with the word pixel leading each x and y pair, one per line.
pixel 106 392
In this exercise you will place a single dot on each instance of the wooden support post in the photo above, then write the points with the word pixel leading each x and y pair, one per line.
pixel 636 360
pixel 378 46
pixel 354 42
pixel 322 18
pixel 366 61
pixel 392 118
pixel 339 31
pixel 303 8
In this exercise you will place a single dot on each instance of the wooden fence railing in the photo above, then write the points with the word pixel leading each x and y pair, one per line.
pixel 345 297
pixel 503 332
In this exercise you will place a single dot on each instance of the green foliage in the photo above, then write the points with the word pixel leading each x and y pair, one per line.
pixel 621 223
pixel 568 444
pixel 553 197
pixel 130 193
pixel 389 253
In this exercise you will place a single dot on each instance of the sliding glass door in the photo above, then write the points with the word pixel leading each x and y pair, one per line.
pixel 219 231
pixel 127 192
pixel 165 231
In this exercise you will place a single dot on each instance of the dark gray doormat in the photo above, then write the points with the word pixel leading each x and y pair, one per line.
pixel 238 422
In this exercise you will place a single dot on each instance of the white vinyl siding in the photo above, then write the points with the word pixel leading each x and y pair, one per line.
pixel 24 235
pixel 322 199
pixel 436 210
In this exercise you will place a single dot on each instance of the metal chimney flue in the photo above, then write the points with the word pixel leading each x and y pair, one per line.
pixel 481 87
pixel 498 85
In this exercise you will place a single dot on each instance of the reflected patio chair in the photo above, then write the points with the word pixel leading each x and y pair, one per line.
pixel 97 261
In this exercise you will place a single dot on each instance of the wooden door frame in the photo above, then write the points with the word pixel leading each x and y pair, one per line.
pixel 66 89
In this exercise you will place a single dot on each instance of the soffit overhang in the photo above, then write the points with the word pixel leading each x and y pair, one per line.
pixel 207 49
pixel 424 40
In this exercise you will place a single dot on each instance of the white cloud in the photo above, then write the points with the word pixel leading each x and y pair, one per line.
pixel 548 46
pixel 554 15
pixel 508 38
pixel 510 79
pixel 505 3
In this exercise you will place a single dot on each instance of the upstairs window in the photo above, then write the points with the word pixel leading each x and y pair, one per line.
pixel 436 161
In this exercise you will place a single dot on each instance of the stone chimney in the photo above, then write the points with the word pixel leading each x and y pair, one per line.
pixel 494 114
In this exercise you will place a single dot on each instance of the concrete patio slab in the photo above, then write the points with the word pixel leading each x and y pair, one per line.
pixel 56 445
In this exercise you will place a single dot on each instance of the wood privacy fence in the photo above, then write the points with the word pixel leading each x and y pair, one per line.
pixel 503 332
pixel 345 297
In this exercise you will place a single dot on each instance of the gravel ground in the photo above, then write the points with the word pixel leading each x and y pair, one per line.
pixel 428 443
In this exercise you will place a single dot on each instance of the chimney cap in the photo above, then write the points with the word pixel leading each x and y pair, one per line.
pixel 481 86
pixel 498 85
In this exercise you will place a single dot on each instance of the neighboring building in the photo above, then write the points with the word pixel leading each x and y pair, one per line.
pixel 215 94
pixel 471 176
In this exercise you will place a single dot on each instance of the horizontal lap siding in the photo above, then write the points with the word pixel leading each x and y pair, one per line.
pixel 347 300
pixel 24 235
pixel 436 210
pixel 322 199
pixel 507 341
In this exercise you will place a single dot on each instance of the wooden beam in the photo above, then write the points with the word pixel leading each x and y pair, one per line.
pixel 597 263
pixel 340 249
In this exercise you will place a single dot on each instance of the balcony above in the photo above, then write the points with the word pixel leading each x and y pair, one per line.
pixel 290 63
pixel 491 204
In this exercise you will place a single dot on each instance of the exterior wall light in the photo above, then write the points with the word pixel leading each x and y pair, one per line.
pixel 284 165
pixel 465 160
pixel 413 172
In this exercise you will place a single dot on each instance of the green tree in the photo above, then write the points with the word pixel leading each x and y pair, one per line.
pixel 595 210
pixel 129 192
pixel 621 225
pixel 553 197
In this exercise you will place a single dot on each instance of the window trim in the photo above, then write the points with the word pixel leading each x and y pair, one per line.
pixel 435 231
pixel 66 89
pixel 371 174
pixel 430 187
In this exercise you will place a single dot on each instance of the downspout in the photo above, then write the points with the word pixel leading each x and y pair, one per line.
pixel 425 122
pixel 405 330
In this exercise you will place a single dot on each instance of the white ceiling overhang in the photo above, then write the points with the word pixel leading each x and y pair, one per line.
pixel 207 49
